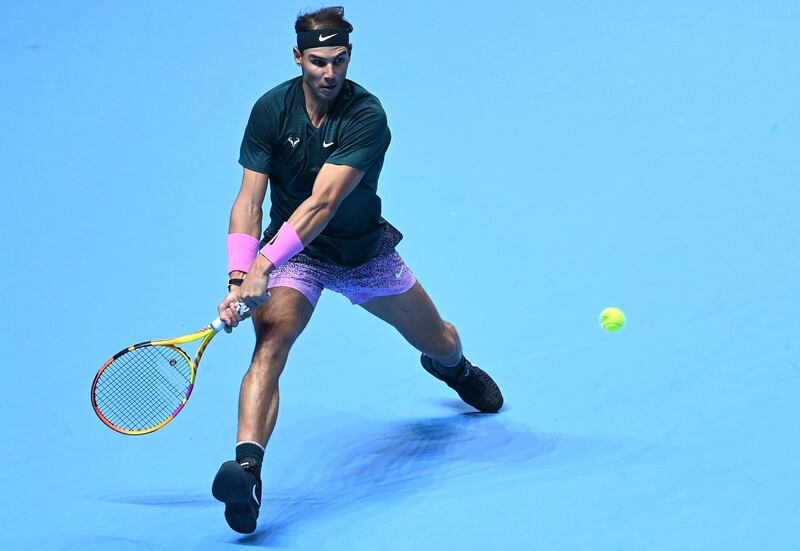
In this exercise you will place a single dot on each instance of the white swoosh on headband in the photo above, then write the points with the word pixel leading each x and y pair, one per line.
pixel 324 38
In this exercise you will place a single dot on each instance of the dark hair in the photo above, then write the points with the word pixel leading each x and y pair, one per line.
pixel 324 18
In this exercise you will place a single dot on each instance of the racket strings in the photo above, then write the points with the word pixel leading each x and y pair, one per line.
pixel 143 387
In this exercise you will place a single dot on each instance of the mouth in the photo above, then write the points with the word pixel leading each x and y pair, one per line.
pixel 328 87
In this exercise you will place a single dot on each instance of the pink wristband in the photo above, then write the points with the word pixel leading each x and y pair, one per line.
pixel 283 246
pixel 242 250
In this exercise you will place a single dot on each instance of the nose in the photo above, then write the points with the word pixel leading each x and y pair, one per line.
pixel 329 71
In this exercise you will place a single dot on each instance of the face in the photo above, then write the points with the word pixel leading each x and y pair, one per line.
pixel 324 69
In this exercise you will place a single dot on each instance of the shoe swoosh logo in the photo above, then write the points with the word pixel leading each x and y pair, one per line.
pixel 398 274
pixel 327 144
pixel 254 496
pixel 324 38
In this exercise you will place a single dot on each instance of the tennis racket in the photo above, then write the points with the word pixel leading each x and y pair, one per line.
pixel 145 386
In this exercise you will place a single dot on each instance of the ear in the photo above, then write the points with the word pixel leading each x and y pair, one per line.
pixel 298 57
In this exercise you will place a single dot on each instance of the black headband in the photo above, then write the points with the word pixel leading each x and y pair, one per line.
pixel 322 37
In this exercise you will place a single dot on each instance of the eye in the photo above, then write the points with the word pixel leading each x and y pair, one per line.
pixel 338 61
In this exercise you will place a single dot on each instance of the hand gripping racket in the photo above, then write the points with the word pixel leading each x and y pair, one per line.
pixel 143 387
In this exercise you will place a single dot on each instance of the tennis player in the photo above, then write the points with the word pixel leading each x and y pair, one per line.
pixel 319 140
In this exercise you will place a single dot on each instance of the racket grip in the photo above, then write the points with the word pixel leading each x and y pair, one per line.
pixel 218 325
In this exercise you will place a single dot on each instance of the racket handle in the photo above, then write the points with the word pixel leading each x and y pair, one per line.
pixel 218 325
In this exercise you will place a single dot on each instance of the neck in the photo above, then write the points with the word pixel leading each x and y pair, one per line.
pixel 315 107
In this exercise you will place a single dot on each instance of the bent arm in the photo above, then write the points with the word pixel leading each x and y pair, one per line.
pixel 332 185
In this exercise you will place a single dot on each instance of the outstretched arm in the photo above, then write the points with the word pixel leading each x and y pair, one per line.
pixel 247 211
pixel 246 218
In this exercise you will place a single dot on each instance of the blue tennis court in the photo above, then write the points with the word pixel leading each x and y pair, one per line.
pixel 548 160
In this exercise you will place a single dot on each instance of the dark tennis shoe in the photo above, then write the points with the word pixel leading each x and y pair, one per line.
pixel 473 385
pixel 240 490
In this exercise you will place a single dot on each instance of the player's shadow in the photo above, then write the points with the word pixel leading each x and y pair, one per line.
pixel 348 466
pixel 363 462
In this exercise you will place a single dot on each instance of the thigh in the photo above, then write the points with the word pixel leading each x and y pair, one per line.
pixel 304 274
pixel 413 314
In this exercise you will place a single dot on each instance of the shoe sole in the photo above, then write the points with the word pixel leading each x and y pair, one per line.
pixel 232 487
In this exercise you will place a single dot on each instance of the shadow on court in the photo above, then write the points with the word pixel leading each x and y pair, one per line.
pixel 348 469
pixel 356 469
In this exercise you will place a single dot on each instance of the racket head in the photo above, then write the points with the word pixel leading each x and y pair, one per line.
pixel 143 387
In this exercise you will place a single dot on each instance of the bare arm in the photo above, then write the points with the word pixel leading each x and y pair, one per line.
pixel 333 184
pixel 247 212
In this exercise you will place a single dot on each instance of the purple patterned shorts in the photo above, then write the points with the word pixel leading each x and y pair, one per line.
pixel 384 274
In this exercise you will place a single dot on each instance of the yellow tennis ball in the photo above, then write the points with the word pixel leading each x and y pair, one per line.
pixel 612 319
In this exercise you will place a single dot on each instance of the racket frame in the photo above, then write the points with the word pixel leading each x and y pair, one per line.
pixel 207 333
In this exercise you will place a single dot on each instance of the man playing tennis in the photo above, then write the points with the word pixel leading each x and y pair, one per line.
pixel 320 140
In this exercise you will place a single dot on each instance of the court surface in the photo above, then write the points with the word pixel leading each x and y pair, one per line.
pixel 549 159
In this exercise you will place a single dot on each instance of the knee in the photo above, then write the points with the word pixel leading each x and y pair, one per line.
pixel 270 355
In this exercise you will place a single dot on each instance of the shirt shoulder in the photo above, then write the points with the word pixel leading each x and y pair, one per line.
pixel 264 126
pixel 358 101
pixel 363 133
pixel 278 99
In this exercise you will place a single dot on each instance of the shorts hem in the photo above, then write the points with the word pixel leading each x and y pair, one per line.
pixel 290 283
pixel 386 292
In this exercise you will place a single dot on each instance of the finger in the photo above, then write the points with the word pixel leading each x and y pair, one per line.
pixel 233 314
pixel 227 317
